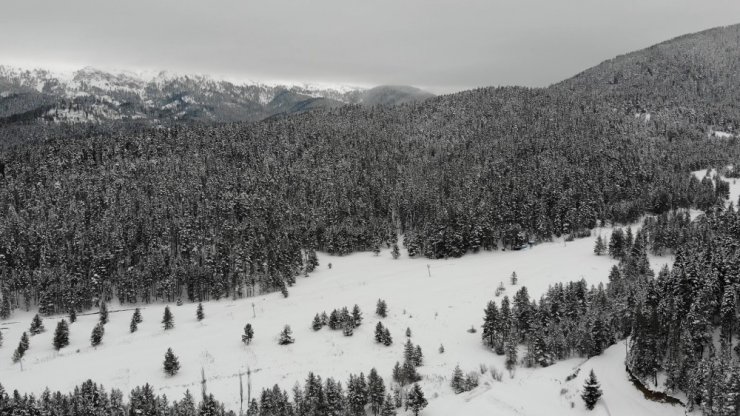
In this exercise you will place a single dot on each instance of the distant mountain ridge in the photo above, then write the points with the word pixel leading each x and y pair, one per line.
pixel 93 95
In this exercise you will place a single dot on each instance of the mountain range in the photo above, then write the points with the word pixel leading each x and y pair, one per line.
pixel 93 95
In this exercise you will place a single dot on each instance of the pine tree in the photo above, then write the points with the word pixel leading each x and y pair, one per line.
pixel 418 356
pixel 408 351
pixel 395 251
pixel 137 316
pixel 376 391
pixel 171 363
pixel 416 400
pixel 37 325
pixel 316 324
pixel 24 344
pixel 397 373
pixel 387 339
pixel 616 244
pixel 409 373
pixel 97 334
pixel 199 312
pixel 248 334
pixel 61 335
pixel 334 322
pixel 388 409
pixel 591 391
pixel 379 332
pixel 458 382
pixel 72 316
pixel 356 316
pixel 381 309
pixel 408 332
pixel 510 348
pixel 133 326
pixel 348 328
pixel 103 313
pixel 17 354
pixel 599 247
pixel 168 321
pixel 5 308
pixel 286 336
pixel 490 324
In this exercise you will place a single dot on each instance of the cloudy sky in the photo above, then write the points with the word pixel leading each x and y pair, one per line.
pixel 441 45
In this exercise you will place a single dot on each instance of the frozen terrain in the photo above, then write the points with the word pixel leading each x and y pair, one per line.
pixel 438 309
pixel 438 299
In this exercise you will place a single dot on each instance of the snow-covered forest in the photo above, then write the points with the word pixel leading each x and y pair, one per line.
pixel 501 250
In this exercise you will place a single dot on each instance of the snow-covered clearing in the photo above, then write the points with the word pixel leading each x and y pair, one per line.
pixel 438 309
pixel 438 299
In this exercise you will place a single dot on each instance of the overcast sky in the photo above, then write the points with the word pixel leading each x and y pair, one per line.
pixel 441 45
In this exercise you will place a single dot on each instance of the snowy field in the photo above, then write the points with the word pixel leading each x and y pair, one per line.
pixel 438 309
pixel 438 299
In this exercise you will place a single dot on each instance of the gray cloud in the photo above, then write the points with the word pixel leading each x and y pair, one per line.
pixel 442 45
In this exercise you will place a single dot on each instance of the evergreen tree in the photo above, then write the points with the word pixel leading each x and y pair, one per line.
pixel 133 326
pixel 5 308
pixel 388 409
pixel 61 335
pixel 286 336
pixel 409 351
pixel 591 391
pixel 137 316
pixel 458 381
pixel 324 319
pixel 248 334
pixel 395 251
pixel 616 244
pixel 103 313
pixel 381 309
pixel 408 332
pixel 409 373
pixel 24 344
pixel 97 334
pixel 416 401
pixel 17 354
pixel 316 324
pixel 418 356
pixel 37 325
pixel 376 391
pixel 199 312
pixel 171 363
pixel 356 316
pixel 599 247
pixel 387 339
pixel 168 321
pixel 334 322
pixel 511 353
pixel 379 332
pixel 490 324
pixel 348 328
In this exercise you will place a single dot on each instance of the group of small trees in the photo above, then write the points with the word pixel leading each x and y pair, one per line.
pixel 383 335
pixel 339 319
pixel 461 382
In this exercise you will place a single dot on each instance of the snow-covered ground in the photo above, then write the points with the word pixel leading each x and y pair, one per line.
pixel 438 299
pixel 438 309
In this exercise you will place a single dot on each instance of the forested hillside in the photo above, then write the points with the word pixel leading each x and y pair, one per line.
pixel 208 211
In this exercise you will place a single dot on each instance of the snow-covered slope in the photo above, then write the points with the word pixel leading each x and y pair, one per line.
pixel 438 309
